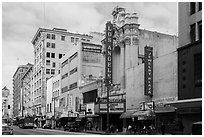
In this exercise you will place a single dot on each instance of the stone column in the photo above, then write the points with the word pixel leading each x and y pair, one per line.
pixel 122 65
pixel 127 52
pixel 134 51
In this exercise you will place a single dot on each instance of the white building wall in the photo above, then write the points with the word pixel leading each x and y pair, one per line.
pixel 49 96
pixel 164 70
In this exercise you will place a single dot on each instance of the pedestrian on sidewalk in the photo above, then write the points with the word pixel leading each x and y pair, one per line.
pixel 163 128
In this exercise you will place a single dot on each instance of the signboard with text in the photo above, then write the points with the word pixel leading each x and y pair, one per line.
pixel 148 71
pixel 108 53
pixel 147 105
pixel 113 108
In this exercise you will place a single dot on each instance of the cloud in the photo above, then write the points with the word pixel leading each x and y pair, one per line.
pixel 20 21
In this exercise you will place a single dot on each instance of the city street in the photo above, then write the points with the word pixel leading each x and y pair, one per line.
pixel 40 131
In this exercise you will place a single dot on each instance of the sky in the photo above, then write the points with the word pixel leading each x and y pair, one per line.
pixel 20 21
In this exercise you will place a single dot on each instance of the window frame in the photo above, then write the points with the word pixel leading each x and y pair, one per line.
pixel 53 36
pixel 52 55
pixel 192 8
pixel 62 38
pixel 48 53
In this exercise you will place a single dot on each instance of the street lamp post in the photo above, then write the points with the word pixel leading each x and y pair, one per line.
pixel 53 99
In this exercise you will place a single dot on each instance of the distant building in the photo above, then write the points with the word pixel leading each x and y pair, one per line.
pixel 5 102
pixel 27 90
pixel 49 47
pixel 189 102
pixel 17 89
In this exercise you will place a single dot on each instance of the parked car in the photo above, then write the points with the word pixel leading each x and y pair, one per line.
pixel 6 129
pixel 197 128
pixel 71 126
pixel 47 126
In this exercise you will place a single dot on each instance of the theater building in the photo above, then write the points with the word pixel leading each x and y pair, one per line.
pixel 137 100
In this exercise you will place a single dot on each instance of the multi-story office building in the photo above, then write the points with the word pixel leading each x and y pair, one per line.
pixel 49 46
pixel 81 64
pixel 27 81
pixel 189 102
pixel 17 89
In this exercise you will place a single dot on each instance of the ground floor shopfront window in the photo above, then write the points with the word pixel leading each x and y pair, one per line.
pixel 172 122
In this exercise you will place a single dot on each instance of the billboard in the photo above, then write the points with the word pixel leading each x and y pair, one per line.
pixel 148 71
pixel 108 54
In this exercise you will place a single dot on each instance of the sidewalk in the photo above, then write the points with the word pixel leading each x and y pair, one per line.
pixel 121 133
pixel 104 133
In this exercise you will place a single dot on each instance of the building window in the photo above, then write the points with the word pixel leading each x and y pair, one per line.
pixel 52 71
pixel 50 107
pixel 72 39
pixel 53 64
pixel 47 71
pixel 73 86
pixel 48 36
pixel 77 39
pixel 65 75
pixel 47 62
pixel 53 45
pixel 60 56
pixel 64 63
pixel 192 7
pixel 48 44
pixel 198 69
pixel 48 55
pixel 199 6
pixel 73 71
pixel 52 55
pixel 63 38
pixel 200 30
pixel 53 36
pixel 73 56
pixel 193 32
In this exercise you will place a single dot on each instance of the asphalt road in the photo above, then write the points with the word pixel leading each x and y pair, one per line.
pixel 39 131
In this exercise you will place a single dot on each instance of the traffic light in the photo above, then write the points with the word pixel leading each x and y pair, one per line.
pixel 9 107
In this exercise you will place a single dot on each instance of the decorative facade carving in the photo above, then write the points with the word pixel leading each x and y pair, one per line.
pixel 135 41
pixel 127 41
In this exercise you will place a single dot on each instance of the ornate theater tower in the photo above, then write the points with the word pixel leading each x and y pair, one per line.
pixel 126 43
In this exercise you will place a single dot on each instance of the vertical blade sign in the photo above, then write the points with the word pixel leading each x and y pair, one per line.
pixel 148 68
pixel 108 55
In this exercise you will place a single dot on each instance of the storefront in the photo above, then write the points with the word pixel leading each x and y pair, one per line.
pixel 117 105
pixel 189 111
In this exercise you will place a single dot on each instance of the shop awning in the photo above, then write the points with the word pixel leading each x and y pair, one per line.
pixel 90 116
pixel 78 119
pixel 187 103
pixel 165 109
pixel 146 113
pixel 127 114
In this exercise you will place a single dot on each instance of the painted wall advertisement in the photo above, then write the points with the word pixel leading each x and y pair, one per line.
pixel 148 71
